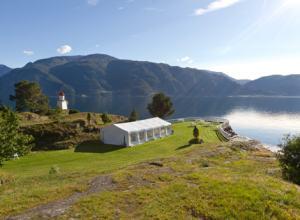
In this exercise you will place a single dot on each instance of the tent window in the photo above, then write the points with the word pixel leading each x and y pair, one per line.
pixel 142 136
pixel 133 137
pixel 169 130
pixel 150 134
pixel 163 131
pixel 157 132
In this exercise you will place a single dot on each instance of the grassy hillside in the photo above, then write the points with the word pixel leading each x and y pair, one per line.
pixel 164 179
pixel 63 131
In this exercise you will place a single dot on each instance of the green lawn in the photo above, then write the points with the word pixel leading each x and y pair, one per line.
pixel 28 183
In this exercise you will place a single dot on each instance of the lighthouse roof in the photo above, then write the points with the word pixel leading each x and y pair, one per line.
pixel 61 93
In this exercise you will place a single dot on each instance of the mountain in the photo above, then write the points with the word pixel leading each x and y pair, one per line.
pixel 273 85
pixel 102 83
pixel 100 80
pixel 4 69
pixel 243 81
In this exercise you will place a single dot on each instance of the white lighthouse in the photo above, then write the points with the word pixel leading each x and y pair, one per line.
pixel 62 103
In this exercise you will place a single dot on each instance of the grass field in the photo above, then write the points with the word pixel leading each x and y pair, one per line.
pixel 215 180
pixel 28 183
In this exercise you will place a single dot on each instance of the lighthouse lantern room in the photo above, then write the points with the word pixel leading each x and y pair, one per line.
pixel 62 103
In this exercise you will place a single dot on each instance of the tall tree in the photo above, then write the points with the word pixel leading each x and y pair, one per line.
pixel 12 141
pixel 161 106
pixel 29 97
pixel 134 116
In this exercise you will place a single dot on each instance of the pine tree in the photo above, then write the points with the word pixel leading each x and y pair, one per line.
pixel 161 106
pixel 29 97
pixel 134 116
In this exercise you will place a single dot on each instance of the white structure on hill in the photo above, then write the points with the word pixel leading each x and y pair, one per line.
pixel 134 133
pixel 62 103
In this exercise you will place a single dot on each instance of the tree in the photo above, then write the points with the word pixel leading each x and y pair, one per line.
pixel 289 158
pixel 134 116
pixel 105 118
pixel 196 132
pixel 161 106
pixel 29 97
pixel 12 141
pixel 89 117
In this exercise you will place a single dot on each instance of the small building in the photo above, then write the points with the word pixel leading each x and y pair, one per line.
pixel 135 133
pixel 62 103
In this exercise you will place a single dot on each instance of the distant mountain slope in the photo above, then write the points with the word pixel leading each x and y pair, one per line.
pixel 100 82
pixel 4 69
pixel 93 75
pixel 273 85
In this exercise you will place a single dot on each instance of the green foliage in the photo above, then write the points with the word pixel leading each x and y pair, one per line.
pixel 105 118
pixel 54 170
pixel 196 132
pixel 12 141
pixel 289 158
pixel 73 111
pixel 161 106
pixel 56 113
pixel 29 97
pixel 134 116
pixel 88 118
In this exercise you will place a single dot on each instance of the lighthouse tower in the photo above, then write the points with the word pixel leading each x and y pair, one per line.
pixel 62 103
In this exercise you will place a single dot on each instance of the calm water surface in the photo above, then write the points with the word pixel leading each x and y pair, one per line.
pixel 268 127
pixel 266 119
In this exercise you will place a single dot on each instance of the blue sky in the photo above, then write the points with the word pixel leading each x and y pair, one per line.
pixel 243 38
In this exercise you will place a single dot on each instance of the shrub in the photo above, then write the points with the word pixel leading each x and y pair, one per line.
pixel 289 158
pixel 12 141
pixel 196 132
pixel 73 111
pixel 134 116
pixel 54 170
pixel 105 118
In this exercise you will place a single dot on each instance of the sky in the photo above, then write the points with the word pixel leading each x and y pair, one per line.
pixel 245 39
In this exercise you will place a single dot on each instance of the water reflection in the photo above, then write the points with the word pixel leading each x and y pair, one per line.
pixel 267 127
pixel 263 118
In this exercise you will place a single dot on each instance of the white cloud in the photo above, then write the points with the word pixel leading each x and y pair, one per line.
pixel 216 5
pixel 93 2
pixel 28 52
pixel 185 60
pixel 64 49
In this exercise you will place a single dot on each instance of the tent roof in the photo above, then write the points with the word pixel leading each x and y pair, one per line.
pixel 143 124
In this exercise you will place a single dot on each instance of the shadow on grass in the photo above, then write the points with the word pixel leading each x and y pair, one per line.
pixel 184 146
pixel 96 147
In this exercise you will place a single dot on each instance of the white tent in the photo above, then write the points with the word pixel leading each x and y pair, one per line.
pixel 134 133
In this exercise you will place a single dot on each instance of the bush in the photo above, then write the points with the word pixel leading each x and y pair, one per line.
pixel 289 158
pixel 105 118
pixel 54 170
pixel 73 111
pixel 12 141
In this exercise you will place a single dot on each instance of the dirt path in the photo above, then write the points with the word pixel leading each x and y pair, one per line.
pixel 54 209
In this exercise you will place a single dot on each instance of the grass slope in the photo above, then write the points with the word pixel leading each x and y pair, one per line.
pixel 28 182
pixel 216 180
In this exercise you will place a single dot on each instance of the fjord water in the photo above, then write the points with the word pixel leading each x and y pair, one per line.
pixel 266 119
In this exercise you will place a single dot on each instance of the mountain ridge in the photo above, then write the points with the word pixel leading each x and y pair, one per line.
pixel 4 69
pixel 101 80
